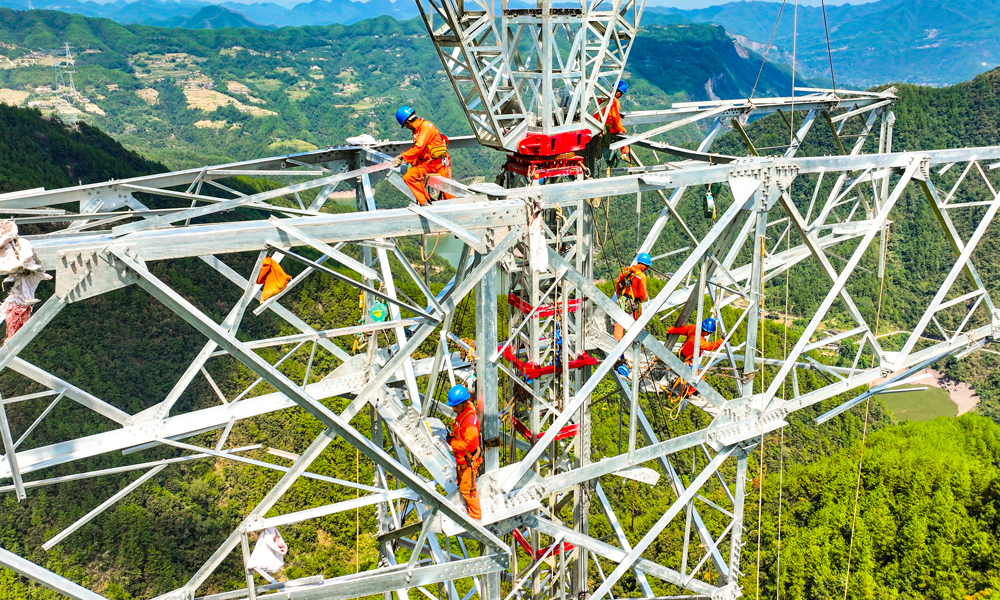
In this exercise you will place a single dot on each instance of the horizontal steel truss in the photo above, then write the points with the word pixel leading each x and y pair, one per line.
pixel 766 206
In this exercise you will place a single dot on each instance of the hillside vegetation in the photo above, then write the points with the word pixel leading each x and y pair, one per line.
pixel 195 97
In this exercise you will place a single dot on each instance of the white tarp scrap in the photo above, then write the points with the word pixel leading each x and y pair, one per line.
pixel 18 262
pixel 269 553
pixel 538 252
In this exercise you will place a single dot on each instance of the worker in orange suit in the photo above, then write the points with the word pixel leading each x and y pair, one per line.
pixel 613 126
pixel 428 156
pixel 464 442
pixel 631 289
pixel 708 327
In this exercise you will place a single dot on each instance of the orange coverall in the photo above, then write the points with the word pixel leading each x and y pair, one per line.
pixel 687 350
pixel 465 446
pixel 425 137
pixel 614 123
pixel 637 290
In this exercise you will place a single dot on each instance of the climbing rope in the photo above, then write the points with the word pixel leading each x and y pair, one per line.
pixel 763 60
pixel 857 493
pixel 760 470
pixel 437 240
pixel 357 515
pixel 781 446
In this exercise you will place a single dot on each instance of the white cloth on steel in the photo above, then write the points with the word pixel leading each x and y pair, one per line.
pixel 18 261
pixel 538 252
pixel 362 140
pixel 269 553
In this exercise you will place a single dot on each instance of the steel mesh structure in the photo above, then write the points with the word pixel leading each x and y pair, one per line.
pixel 776 215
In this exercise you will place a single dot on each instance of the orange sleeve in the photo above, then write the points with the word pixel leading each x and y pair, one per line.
pixel 710 346
pixel 619 282
pixel 682 330
pixel 422 137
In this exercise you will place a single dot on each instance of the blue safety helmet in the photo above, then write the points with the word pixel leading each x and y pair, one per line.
pixel 404 114
pixel 708 325
pixel 457 395
pixel 644 259
pixel 622 87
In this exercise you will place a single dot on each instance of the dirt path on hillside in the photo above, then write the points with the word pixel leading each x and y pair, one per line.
pixel 960 393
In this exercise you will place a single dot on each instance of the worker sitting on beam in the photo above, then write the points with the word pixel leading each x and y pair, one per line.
pixel 464 442
pixel 613 126
pixel 428 156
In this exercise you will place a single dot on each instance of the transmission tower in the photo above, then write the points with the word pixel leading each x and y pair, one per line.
pixel 538 363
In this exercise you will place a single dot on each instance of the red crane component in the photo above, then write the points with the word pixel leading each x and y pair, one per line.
pixel 563 165
pixel 539 144
pixel 565 432
pixel 533 371
pixel 546 310
pixel 523 543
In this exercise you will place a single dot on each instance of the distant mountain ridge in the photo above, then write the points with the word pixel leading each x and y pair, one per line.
pixel 182 13
pixel 211 17
pixel 927 42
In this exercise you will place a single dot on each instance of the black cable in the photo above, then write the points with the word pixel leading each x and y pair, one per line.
pixel 829 53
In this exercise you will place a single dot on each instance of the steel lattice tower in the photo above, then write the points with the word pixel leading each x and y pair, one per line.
pixel 541 488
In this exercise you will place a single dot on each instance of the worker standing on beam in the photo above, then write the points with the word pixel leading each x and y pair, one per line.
pixel 428 156
pixel 464 442
pixel 613 126
pixel 631 289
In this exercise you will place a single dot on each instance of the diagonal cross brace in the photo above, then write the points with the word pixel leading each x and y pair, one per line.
pixel 778 380
pixel 225 205
pixel 327 249
pixel 266 371
pixel 626 563
pixel 631 335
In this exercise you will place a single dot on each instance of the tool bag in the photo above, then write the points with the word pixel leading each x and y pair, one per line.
pixel 626 301
pixel 439 151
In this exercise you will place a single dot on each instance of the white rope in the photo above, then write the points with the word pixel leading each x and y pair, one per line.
pixel 864 431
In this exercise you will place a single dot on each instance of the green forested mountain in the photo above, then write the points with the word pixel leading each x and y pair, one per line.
pixel 927 524
pixel 195 97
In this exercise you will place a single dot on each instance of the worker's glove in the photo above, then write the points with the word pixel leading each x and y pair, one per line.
pixel 448 438
pixel 397 161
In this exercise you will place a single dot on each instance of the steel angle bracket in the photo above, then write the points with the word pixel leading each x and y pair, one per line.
pixel 105 199
pixel 657 179
pixel 727 430
pixel 85 274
